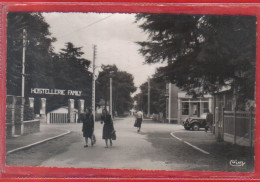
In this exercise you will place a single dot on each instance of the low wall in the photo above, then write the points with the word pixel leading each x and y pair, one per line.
pixel 18 110
pixel 31 126
pixel 8 130
pixel 28 127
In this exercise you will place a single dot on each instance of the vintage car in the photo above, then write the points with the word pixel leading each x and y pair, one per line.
pixel 195 123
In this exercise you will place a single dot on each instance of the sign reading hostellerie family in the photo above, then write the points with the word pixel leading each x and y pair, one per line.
pixel 47 91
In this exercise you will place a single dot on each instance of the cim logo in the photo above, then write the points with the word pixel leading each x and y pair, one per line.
pixel 237 163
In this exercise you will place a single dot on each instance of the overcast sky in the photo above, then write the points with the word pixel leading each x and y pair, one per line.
pixel 113 34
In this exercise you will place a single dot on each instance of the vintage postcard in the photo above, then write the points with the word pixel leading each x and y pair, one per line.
pixel 133 91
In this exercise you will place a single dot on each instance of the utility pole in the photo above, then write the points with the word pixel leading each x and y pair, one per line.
pixel 111 101
pixel 139 102
pixel 23 61
pixel 149 90
pixel 93 83
pixel 169 102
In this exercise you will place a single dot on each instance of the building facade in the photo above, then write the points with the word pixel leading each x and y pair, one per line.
pixel 62 115
pixel 179 105
pixel 171 95
pixel 193 107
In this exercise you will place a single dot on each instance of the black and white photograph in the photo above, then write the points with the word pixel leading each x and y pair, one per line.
pixel 144 91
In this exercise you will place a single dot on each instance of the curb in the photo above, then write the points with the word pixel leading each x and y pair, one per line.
pixel 193 146
pixel 37 143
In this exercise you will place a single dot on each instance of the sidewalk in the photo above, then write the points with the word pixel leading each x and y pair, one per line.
pixel 236 156
pixel 46 132
pixel 208 142
pixel 228 149
pixel 224 153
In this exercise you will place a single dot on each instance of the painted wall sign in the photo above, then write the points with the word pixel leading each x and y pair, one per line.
pixel 46 91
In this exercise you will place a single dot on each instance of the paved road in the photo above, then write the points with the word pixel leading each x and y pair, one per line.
pixel 157 146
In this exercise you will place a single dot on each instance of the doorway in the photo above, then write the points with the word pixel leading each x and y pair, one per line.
pixel 196 109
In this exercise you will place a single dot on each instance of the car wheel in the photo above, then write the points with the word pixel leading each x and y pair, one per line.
pixel 195 127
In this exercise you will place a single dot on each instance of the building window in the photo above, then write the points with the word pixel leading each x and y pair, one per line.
pixel 185 108
pixel 205 107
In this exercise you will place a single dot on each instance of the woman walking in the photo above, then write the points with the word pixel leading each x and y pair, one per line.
pixel 88 126
pixel 139 119
pixel 108 127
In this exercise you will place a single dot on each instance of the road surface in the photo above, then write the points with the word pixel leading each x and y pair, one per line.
pixel 159 146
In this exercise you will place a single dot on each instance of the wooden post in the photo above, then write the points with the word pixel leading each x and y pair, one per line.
pixel 223 123
pixel 235 125
pixel 169 103
pixel 93 84
pixel 214 114
pixel 251 131
pixel 216 124
pixel 111 98
pixel 148 105
pixel 23 61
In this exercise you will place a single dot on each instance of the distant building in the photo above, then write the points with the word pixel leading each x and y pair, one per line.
pixel 172 102
pixel 189 106
pixel 132 111
pixel 179 105
pixel 232 122
pixel 224 98
pixel 229 123
pixel 60 115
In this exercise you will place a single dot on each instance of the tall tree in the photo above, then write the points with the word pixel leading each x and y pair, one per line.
pixel 203 53
pixel 70 72
pixel 170 36
pixel 38 51
pixel 157 96
pixel 43 68
pixel 108 71
pixel 123 87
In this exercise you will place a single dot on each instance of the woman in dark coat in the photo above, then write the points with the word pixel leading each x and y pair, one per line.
pixel 88 126
pixel 108 127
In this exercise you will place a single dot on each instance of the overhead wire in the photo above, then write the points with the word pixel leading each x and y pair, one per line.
pixel 84 27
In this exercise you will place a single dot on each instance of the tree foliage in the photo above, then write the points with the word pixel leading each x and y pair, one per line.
pixel 203 53
pixel 44 68
pixel 38 51
pixel 70 72
pixel 122 84
pixel 157 96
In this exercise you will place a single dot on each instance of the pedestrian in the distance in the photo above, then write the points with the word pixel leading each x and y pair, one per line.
pixel 209 121
pixel 108 127
pixel 139 119
pixel 88 126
